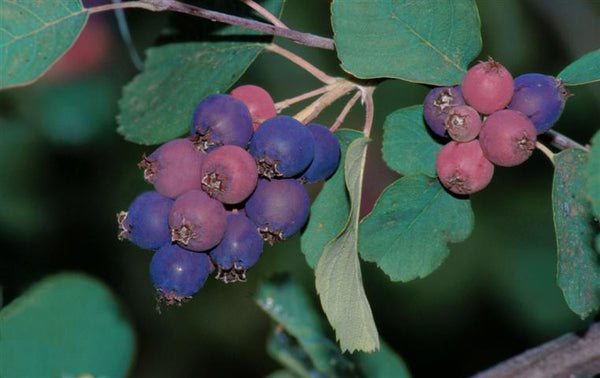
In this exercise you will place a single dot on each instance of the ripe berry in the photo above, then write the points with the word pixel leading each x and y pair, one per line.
pixel 220 120
pixel 327 154
pixel 541 98
pixel 173 168
pixel 463 123
pixel 282 147
pixel 462 168
pixel 259 103
pixel 279 208
pixel 437 104
pixel 197 221
pixel 488 87
pixel 239 250
pixel 146 223
pixel 178 274
pixel 507 138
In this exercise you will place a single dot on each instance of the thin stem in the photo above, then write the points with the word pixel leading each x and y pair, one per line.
pixel 313 110
pixel 340 119
pixel 129 4
pixel 369 109
pixel 549 154
pixel 126 36
pixel 301 62
pixel 304 96
pixel 563 142
pixel 265 13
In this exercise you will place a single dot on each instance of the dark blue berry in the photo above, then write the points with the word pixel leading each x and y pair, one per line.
pixel 437 104
pixel 278 207
pixel 327 154
pixel 282 147
pixel 220 120
pixel 239 250
pixel 146 223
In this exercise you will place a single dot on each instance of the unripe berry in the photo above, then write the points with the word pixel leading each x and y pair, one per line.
pixel 258 101
pixel 488 87
pixel 327 154
pixel 463 123
pixel 146 223
pixel 437 104
pixel 462 168
pixel 507 138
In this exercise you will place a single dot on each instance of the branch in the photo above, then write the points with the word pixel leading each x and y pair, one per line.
pixel 563 142
pixel 301 62
pixel 571 355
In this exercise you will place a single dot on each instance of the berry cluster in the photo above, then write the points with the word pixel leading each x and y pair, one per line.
pixel 513 111
pixel 234 183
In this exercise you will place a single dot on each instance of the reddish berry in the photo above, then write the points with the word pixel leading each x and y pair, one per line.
pixel 258 101
pixel 462 168
pixel 507 138
pixel 488 87
pixel 437 104
pixel 463 123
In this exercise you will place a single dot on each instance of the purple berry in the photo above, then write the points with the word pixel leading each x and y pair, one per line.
pixel 178 274
pixel 197 221
pixel 173 168
pixel 229 174
pixel 507 138
pixel 463 123
pixel 541 98
pixel 488 87
pixel 327 154
pixel 279 208
pixel 462 168
pixel 220 120
pixel 282 147
pixel 259 103
pixel 146 223
pixel 437 104
pixel 239 250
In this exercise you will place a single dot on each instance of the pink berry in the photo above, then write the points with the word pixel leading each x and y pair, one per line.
pixel 462 168
pixel 463 123
pixel 507 138
pixel 258 101
pixel 488 87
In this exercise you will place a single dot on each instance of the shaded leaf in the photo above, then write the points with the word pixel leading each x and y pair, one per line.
pixel 382 364
pixel 285 350
pixel 592 175
pixel 584 70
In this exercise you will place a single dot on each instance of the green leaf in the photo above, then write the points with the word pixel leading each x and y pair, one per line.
pixel 382 364
pixel 34 34
pixel 584 70
pixel 338 276
pixel 425 41
pixel 592 175
pixel 407 232
pixel 408 148
pixel 329 212
pixel 578 263
pixel 65 325
pixel 285 350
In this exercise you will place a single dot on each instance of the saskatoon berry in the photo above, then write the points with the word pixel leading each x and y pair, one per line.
pixel 174 168
pixel 463 123
pixel 507 138
pixel 197 221
pixel 462 168
pixel 259 103
pixel 220 120
pixel 541 98
pixel 279 208
pixel 178 274
pixel 327 154
pixel 239 250
pixel 146 223
pixel 229 174
pixel 488 87
pixel 437 104
pixel 282 147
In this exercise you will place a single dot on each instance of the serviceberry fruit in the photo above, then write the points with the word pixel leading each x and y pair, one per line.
pixel 239 250
pixel 327 154
pixel 507 138
pixel 279 208
pixel 258 101
pixel 437 104
pixel 462 168
pixel 197 221
pixel 282 147
pixel 146 223
pixel 220 120
pixel 173 168
pixel 463 123
pixel 229 174
pixel 488 87
pixel 178 274
pixel 541 98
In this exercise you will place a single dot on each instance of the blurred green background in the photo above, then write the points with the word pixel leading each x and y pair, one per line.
pixel 65 172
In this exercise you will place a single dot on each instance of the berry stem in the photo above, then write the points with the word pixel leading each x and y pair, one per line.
pixel 265 13
pixel 549 154
pixel 313 110
pixel 563 142
pixel 301 62
pixel 367 99
pixel 349 105
pixel 304 96
pixel 128 4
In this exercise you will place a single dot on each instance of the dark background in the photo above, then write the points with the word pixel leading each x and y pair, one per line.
pixel 65 172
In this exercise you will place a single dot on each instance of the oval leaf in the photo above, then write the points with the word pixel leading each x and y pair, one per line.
pixel 407 232
pixel 582 71
pixel 592 175
pixel 425 41
pixel 34 34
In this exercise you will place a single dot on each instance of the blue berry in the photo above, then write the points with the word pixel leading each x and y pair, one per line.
pixel 282 147
pixel 437 104
pixel 146 223
pixel 220 120
pixel 541 98
pixel 278 207
pixel 239 250
pixel 327 154
pixel 178 274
